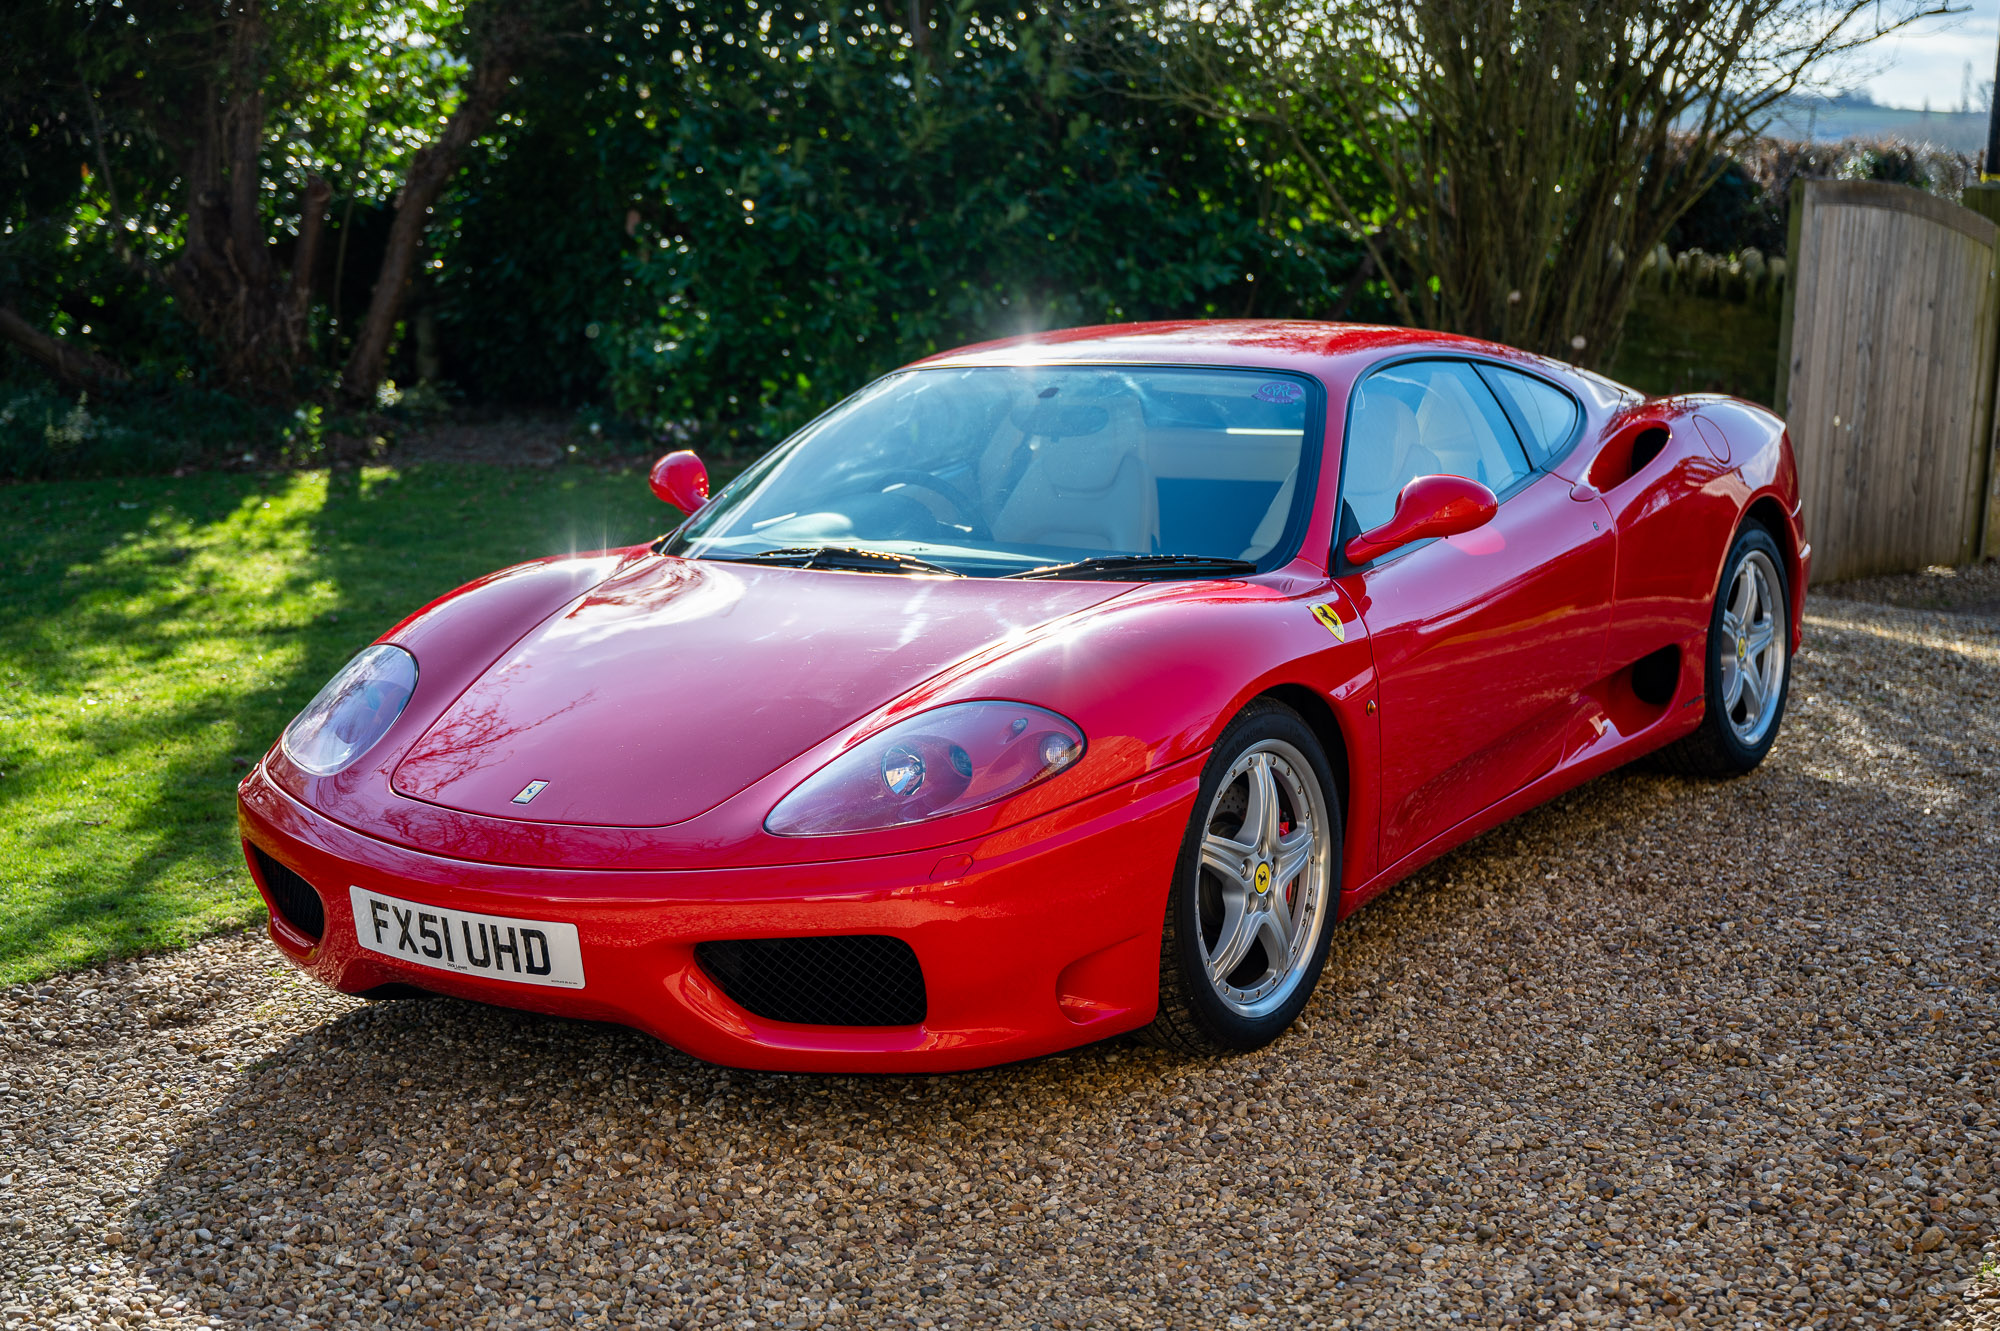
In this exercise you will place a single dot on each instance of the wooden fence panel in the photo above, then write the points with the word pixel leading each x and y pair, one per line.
pixel 1886 374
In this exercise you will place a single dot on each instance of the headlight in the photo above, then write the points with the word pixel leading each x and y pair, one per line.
pixel 355 709
pixel 942 762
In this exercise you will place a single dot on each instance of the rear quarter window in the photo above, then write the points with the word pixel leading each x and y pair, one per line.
pixel 1548 416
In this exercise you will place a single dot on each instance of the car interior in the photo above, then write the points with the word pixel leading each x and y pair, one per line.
pixel 1424 418
pixel 1125 472
pixel 1050 464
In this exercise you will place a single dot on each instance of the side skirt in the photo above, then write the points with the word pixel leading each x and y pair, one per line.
pixel 1601 745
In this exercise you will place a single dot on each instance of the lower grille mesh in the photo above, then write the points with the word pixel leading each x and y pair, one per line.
pixel 844 980
pixel 292 896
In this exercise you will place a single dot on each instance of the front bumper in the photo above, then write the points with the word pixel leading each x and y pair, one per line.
pixel 1037 938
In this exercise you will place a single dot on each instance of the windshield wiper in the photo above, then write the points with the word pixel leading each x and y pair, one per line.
pixel 845 557
pixel 1143 567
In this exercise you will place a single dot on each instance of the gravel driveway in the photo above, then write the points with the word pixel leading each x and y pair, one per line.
pixel 1717 1054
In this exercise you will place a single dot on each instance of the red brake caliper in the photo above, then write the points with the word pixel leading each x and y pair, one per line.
pixel 1285 829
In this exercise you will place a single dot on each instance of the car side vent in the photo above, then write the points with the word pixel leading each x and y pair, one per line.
pixel 1629 450
pixel 291 896
pixel 1649 445
pixel 1656 675
pixel 843 980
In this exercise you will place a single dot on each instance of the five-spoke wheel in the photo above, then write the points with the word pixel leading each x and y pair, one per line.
pixel 1249 916
pixel 1263 877
pixel 1752 647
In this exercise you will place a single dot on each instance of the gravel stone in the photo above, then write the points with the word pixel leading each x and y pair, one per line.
pixel 1665 1053
pixel 1971 590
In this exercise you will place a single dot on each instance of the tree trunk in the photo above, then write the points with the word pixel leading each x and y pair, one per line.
pixel 430 170
pixel 73 367
pixel 225 278
pixel 305 254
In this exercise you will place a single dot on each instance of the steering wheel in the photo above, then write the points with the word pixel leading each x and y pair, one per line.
pixel 962 507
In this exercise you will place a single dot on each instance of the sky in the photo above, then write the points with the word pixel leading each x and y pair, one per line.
pixel 1927 61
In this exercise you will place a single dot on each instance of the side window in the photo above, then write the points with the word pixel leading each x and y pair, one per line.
pixel 1549 414
pixel 1423 418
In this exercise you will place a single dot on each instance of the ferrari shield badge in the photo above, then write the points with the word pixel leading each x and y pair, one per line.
pixel 529 791
pixel 1330 617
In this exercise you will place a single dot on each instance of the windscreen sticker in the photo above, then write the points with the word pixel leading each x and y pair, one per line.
pixel 1281 391
pixel 1330 617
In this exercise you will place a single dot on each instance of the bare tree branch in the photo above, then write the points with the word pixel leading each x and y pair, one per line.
pixel 430 170
pixel 1529 151
pixel 243 135
pixel 74 367
pixel 121 245
pixel 305 254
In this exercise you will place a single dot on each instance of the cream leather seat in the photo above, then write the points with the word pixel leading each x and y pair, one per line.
pixel 1384 453
pixel 1087 491
pixel 1272 525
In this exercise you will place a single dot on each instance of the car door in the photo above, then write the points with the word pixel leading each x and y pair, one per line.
pixel 1484 641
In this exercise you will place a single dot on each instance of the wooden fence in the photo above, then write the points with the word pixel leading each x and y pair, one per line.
pixel 1886 375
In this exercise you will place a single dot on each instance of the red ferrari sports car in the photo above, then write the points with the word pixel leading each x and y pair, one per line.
pixel 1041 691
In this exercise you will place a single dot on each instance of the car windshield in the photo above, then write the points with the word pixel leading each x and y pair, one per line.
pixel 993 471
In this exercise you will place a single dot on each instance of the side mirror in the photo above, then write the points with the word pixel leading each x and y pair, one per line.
pixel 1428 506
pixel 680 479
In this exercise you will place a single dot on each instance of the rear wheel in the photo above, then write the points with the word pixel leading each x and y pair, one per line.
pixel 1749 663
pixel 1250 914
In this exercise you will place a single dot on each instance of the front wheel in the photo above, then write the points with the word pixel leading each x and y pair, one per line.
pixel 1250 915
pixel 1749 663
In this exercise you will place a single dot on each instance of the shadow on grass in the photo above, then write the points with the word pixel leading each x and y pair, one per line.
pixel 159 634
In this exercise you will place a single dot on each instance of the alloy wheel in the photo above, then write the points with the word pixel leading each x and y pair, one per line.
pixel 1753 648
pixel 1266 863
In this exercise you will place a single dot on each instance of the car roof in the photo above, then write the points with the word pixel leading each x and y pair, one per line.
pixel 1253 342
pixel 1308 345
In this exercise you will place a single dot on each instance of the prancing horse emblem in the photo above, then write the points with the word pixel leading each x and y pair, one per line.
pixel 529 791
pixel 1330 617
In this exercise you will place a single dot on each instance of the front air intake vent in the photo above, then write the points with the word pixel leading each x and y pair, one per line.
pixel 291 896
pixel 844 980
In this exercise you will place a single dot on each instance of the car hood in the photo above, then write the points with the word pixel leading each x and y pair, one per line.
pixel 669 688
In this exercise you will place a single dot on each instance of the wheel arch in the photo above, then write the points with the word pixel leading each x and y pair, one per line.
pixel 1768 512
pixel 1324 720
pixel 1324 723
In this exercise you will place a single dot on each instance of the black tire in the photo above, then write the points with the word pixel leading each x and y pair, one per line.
pixel 1716 748
pixel 1193 1018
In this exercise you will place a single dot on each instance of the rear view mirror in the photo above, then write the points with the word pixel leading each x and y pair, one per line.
pixel 680 479
pixel 1429 506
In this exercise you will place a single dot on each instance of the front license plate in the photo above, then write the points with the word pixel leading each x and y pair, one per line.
pixel 523 951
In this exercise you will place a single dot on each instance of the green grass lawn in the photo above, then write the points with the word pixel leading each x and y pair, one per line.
pixel 157 634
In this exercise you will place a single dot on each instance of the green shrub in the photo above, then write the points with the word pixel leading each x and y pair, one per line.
pixel 730 239
pixel 1750 201
pixel 46 433
pixel 691 216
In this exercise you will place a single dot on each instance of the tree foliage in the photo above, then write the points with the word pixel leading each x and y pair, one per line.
pixel 793 199
pixel 713 212
pixel 181 161
pixel 725 214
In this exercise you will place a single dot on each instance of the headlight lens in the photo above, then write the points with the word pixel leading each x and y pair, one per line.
pixel 355 709
pixel 942 762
